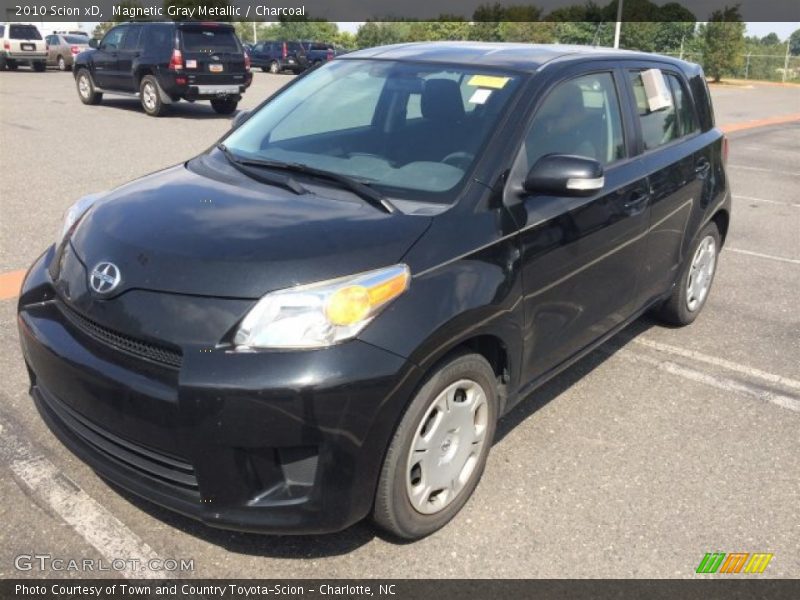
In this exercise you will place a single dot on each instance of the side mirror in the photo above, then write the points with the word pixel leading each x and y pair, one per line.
pixel 565 175
pixel 240 118
pixel 94 43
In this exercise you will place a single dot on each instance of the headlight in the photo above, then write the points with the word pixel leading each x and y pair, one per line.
pixel 74 214
pixel 320 314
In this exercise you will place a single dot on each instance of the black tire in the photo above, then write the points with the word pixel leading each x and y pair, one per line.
pixel 225 106
pixel 2 63
pixel 274 67
pixel 88 95
pixel 265 69
pixel 62 64
pixel 40 66
pixel 12 65
pixel 393 510
pixel 676 310
pixel 150 95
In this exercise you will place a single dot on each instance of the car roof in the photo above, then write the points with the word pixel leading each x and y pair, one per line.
pixel 518 57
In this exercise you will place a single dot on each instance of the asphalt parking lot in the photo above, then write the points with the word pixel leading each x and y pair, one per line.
pixel 659 447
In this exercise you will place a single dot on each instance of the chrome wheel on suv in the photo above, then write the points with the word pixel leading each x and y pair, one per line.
pixel 86 89
pixel 150 96
pixel 701 273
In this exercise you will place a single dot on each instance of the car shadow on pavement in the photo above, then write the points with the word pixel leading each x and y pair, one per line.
pixel 178 110
pixel 323 545
pixel 559 384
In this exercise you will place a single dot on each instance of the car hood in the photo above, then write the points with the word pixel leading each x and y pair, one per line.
pixel 215 232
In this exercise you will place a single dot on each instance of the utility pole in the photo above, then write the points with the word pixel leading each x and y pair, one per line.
pixel 786 61
pixel 747 67
pixel 683 37
pixel 618 27
pixel 255 41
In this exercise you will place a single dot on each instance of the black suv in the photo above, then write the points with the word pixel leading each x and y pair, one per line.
pixel 374 284
pixel 280 56
pixel 162 63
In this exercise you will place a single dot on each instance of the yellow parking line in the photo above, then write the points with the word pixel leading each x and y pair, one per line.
pixel 10 284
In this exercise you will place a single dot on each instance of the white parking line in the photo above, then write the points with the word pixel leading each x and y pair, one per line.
pixel 719 362
pixel 792 261
pixel 752 199
pixel 107 534
pixel 762 169
pixel 722 383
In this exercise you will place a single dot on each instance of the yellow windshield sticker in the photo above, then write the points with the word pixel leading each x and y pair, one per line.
pixel 489 81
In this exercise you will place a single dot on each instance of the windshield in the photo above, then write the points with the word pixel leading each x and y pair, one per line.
pixel 412 129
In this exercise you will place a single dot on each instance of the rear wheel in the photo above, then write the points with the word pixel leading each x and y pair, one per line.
pixel 12 65
pixel 40 66
pixel 274 67
pixel 86 90
pixel 62 64
pixel 695 279
pixel 439 450
pixel 150 96
pixel 225 106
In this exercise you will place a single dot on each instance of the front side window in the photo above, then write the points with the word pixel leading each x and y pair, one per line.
pixel 352 117
pixel 113 39
pixel 579 117
pixel 659 127
pixel 131 41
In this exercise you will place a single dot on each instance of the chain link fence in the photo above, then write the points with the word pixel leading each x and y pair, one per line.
pixel 762 67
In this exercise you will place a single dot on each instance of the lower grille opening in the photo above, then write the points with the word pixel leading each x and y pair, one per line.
pixel 155 464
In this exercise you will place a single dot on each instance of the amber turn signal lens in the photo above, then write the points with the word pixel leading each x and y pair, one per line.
pixel 348 305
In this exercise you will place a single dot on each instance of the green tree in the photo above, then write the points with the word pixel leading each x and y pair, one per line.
pixel 724 42
pixel 447 28
pixel 771 39
pixel 379 33
pixel 794 43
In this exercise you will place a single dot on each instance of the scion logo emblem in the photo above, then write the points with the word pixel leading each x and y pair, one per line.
pixel 105 278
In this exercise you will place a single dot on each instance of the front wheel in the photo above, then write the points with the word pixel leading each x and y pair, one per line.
pixel 151 97
pixel 86 91
pixel 694 282
pixel 439 450
pixel 224 106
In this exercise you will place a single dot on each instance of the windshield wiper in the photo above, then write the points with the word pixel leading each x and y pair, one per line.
pixel 352 184
pixel 283 181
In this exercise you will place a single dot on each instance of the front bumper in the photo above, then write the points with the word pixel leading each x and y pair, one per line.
pixel 280 442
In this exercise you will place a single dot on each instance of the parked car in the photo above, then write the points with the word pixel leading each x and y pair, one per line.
pixel 62 48
pixel 162 63
pixel 280 56
pixel 323 316
pixel 318 53
pixel 22 44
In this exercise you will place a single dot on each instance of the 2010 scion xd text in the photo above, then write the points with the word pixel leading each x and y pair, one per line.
pixel 323 316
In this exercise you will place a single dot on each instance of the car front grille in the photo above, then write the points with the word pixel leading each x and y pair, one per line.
pixel 174 471
pixel 121 342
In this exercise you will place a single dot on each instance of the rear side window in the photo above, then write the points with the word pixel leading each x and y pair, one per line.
pixel 2 30
pixel 157 39
pixel 581 117
pixel 23 32
pixel 209 40
pixel 76 39
pixel 659 127
pixel 687 120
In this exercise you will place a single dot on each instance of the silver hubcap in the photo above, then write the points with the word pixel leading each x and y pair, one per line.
pixel 701 273
pixel 149 96
pixel 61 64
pixel 273 67
pixel 83 86
pixel 447 446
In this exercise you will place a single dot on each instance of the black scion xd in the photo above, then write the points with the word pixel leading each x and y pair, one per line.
pixel 323 316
